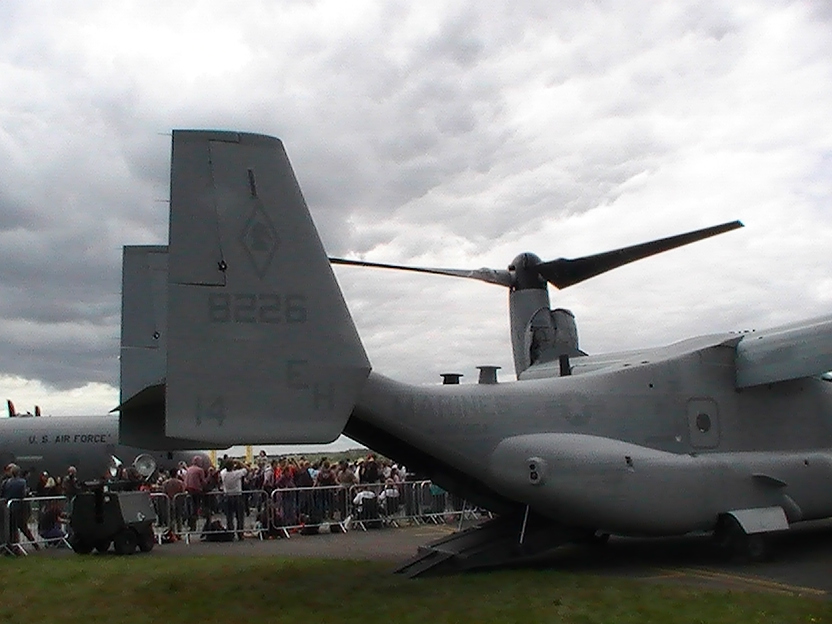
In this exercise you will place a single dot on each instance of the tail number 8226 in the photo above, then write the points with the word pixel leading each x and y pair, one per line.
pixel 256 308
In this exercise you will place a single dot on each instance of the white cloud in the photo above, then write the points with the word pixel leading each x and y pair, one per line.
pixel 89 399
pixel 453 134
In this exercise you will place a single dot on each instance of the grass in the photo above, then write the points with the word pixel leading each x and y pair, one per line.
pixel 235 589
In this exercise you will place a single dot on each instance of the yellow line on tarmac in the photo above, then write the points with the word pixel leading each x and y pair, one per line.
pixel 667 574
pixel 752 581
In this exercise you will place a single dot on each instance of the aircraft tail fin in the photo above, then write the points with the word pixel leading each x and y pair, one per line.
pixel 143 356
pixel 144 279
pixel 261 346
pixel 10 406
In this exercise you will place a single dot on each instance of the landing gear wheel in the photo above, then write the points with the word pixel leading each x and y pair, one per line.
pixel 733 541
pixel 725 535
pixel 125 542
pixel 147 541
pixel 102 546
pixel 80 546
pixel 757 547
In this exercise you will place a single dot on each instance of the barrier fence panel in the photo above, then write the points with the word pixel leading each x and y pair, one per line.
pixel 439 506
pixel 411 502
pixel 164 515
pixel 45 516
pixel 4 527
pixel 391 504
pixel 307 509
pixel 369 505
pixel 217 516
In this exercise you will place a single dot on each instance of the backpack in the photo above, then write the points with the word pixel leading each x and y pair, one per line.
pixel 303 478
pixel 216 532
pixel 325 477
pixel 370 472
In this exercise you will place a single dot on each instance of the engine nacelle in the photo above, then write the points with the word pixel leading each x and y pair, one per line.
pixel 551 334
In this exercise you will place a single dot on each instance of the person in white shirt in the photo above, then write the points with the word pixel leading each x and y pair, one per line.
pixel 232 484
pixel 389 497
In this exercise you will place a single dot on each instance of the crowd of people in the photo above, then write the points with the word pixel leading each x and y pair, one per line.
pixel 272 494
pixel 284 492
pixel 14 487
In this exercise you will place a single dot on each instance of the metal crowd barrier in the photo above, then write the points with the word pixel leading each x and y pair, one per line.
pixel 339 508
pixel 439 506
pixel 4 527
pixel 45 517
pixel 373 505
pixel 164 517
pixel 307 509
pixel 415 502
pixel 43 520
pixel 195 514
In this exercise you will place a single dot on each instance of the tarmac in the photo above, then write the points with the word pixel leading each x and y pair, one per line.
pixel 801 565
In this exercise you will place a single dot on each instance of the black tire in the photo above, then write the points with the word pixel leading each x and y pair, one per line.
pixel 757 547
pixel 147 541
pixel 82 547
pixel 102 545
pixel 734 542
pixel 125 542
pixel 728 536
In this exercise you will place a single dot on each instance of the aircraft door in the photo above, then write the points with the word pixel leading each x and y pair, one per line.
pixel 703 423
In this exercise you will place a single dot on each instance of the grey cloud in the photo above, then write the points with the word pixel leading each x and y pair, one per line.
pixel 469 136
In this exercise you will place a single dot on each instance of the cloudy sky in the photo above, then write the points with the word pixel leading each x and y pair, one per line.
pixel 434 133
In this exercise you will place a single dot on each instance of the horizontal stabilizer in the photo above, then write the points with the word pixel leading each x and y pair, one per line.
pixel 788 352
pixel 261 346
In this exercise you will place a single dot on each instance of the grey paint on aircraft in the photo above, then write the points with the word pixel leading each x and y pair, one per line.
pixel 254 319
pixel 652 441
pixel 144 318
pixel 53 443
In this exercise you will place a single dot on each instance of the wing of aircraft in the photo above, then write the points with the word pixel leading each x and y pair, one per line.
pixel 767 356
pixel 791 351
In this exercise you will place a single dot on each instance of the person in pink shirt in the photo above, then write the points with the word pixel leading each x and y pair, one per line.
pixel 195 482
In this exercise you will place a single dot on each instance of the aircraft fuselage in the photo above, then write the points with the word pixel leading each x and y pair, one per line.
pixel 53 443
pixel 655 442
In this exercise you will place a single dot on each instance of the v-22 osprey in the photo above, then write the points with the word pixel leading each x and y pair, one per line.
pixel 239 333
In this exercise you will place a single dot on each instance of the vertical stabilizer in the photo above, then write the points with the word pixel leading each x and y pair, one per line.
pixel 144 279
pixel 261 346
pixel 144 295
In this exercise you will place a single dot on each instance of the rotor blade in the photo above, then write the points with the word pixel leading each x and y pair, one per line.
pixel 491 276
pixel 564 272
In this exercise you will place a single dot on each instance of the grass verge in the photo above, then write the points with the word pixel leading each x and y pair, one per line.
pixel 231 589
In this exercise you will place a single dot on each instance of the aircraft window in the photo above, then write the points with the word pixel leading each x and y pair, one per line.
pixel 703 422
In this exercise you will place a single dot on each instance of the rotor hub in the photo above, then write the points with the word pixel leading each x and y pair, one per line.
pixel 525 272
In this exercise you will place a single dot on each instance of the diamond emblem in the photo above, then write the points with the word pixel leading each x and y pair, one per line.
pixel 260 240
